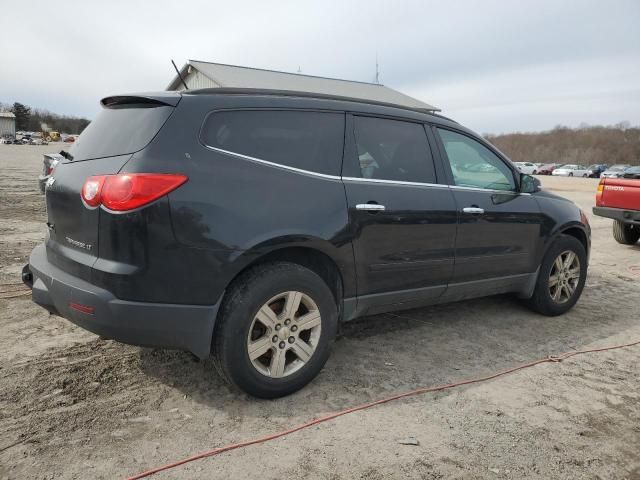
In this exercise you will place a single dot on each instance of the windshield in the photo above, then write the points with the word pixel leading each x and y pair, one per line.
pixel 120 130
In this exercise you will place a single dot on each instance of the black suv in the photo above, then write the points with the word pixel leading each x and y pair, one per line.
pixel 249 224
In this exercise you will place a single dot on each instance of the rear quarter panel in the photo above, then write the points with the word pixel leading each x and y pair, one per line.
pixel 233 210
pixel 619 193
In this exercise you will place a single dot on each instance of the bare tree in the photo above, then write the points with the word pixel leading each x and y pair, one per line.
pixel 584 145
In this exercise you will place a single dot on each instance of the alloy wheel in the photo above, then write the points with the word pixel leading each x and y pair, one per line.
pixel 564 277
pixel 284 334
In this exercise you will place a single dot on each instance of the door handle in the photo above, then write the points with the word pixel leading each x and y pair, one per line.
pixel 370 207
pixel 473 210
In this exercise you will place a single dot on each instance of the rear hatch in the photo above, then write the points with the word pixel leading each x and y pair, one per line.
pixel 125 125
pixel 619 193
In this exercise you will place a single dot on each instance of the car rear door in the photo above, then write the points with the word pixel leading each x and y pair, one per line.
pixel 403 222
pixel 499 229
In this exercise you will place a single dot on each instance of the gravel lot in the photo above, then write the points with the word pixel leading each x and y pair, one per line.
pixel 74 406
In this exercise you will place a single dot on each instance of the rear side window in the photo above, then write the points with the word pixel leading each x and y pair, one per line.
pixel 310 141
pixel 119 130
pixel 393 150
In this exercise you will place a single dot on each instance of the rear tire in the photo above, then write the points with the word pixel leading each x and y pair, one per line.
pixel 253 319
pixel 626 233
pixel 566 277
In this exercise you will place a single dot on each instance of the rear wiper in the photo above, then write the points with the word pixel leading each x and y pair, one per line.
pixel 66 155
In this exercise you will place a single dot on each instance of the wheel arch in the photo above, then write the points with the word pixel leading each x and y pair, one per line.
pixel 579 233
pixel 316 255
pixel 573 229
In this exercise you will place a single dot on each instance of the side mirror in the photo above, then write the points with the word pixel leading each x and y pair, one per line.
pixel 529 184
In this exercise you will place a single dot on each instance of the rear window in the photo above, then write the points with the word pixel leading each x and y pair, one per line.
pixel 119 130
pixel 393 150
pixel 310 141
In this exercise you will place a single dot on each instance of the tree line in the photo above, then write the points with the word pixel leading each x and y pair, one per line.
pixel 584 145
pixel 32 119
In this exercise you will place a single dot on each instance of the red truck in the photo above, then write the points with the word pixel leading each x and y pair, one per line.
pixel 619 199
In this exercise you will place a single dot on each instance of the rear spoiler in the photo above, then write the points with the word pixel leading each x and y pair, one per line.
pixel 170 99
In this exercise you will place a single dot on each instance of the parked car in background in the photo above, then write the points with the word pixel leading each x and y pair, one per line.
pixel 527 168
pixel 289 214
pixel 632 173
pixel 615 171
pixel 571 170
pixel 547 168
pixel 619 199
pixel 49 162
pixel 596 170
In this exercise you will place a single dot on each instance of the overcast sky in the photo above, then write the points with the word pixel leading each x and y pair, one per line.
pixel 495 66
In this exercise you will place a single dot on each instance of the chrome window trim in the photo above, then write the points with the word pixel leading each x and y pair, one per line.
pixel 394 182
pixel 480 189
pixel 273 164
pixel 354 179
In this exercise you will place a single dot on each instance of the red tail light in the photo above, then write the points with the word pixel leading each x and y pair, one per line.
pixel 599 193
pixel 128 191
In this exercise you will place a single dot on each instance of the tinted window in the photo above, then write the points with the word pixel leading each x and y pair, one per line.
pixel 393 150
pixel 474 165
pixel 120 130
pixel 307 140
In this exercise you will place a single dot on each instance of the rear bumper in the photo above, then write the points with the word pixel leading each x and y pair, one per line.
pixel 626 216
pixel 184 327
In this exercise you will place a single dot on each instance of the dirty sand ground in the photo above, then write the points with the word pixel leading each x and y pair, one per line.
pixel 73 406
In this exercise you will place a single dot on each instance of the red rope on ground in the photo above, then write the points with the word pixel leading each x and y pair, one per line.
pixel 234 446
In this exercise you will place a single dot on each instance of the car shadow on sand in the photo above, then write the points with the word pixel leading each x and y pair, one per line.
pixel 387 354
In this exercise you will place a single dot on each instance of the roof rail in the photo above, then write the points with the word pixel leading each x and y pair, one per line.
pixel 296 93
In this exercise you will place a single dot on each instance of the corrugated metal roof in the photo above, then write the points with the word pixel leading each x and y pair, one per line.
pixel 7 115
pixel 245 77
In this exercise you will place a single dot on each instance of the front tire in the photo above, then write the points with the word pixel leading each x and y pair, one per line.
pixel 275 329
pixel 626 233
pixel 561 277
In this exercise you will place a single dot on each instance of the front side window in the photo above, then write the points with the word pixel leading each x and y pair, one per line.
pixel 310 141
pixel 474 165
pixel 393 150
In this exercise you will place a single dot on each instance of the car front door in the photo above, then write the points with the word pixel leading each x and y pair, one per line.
pixel 499 228
pixel 403 222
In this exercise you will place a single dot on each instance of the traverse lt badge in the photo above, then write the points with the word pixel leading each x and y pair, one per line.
pixel 76 243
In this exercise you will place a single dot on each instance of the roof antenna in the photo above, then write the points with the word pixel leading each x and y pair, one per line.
pixel 179 75
pixel 377 69
pixel 299 69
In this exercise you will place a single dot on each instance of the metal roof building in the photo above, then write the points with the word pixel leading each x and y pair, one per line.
pixel 7 124
pixel 199 74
